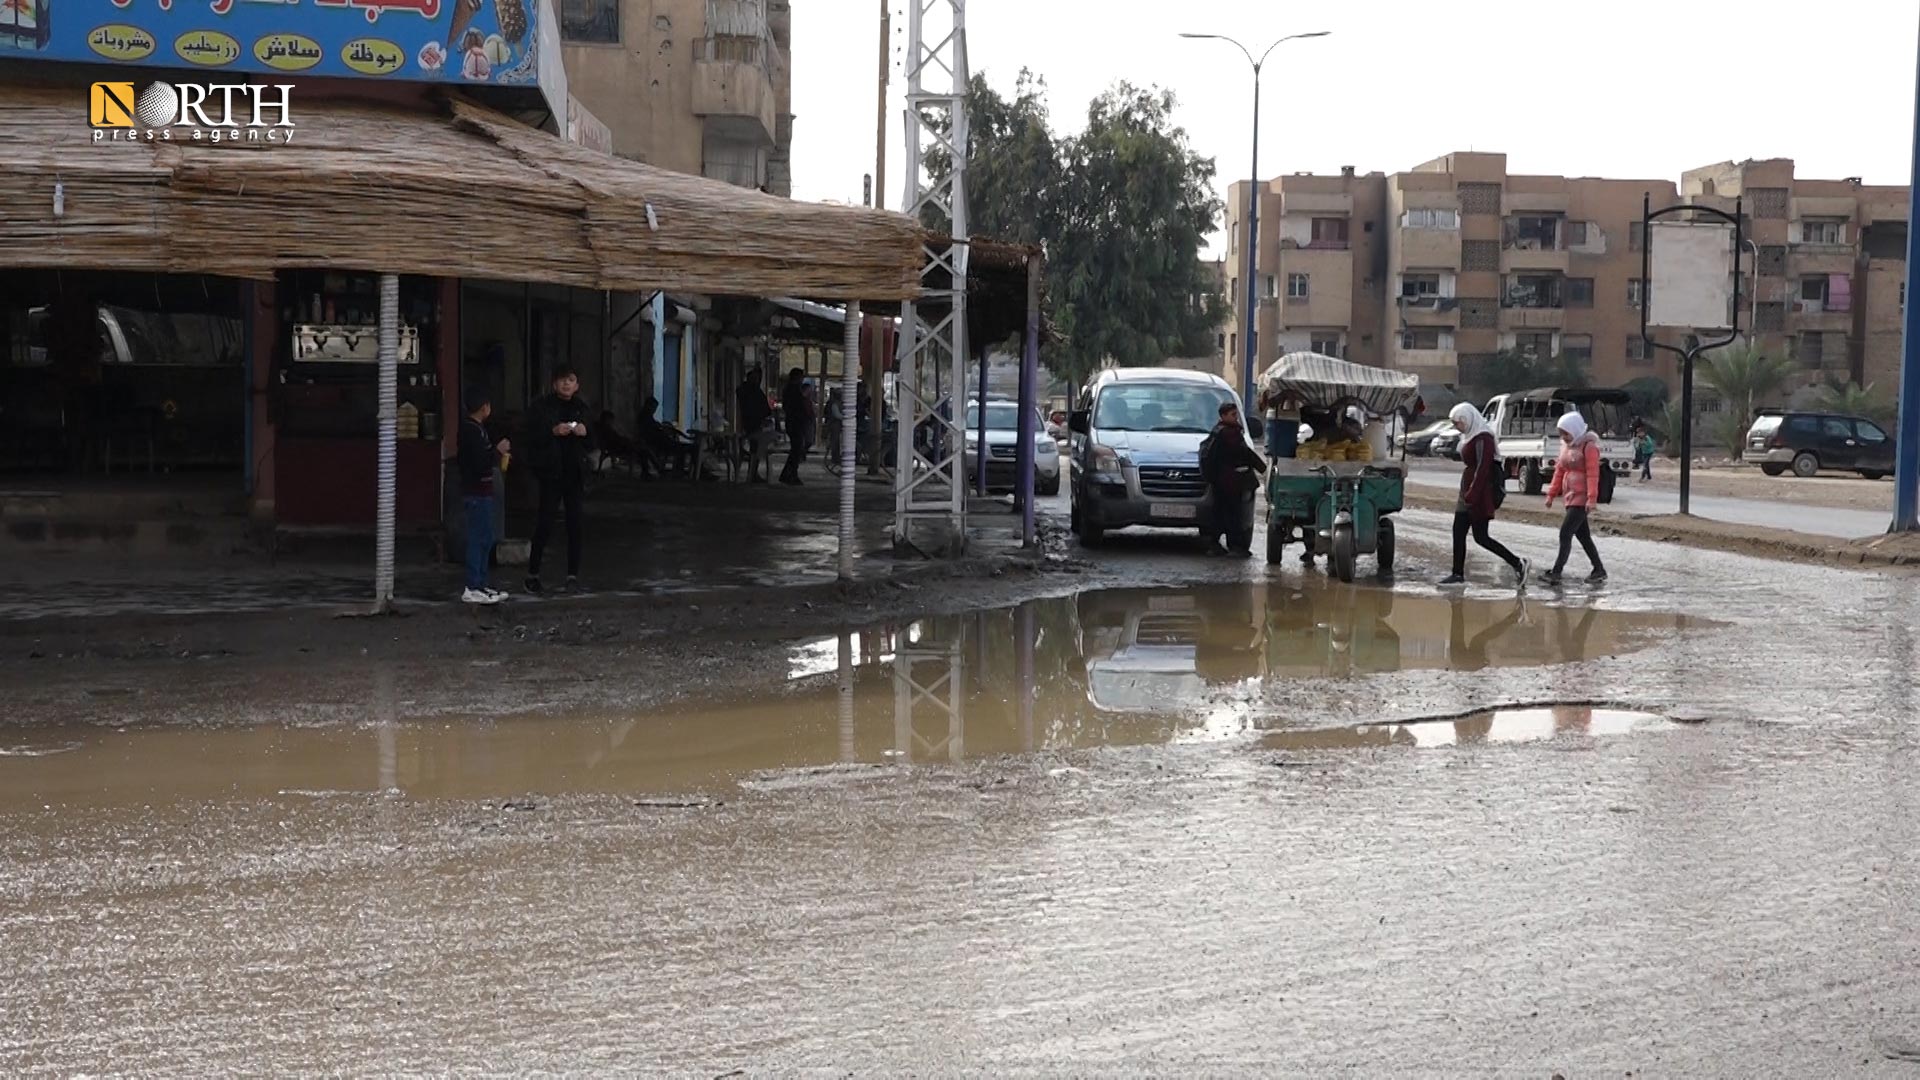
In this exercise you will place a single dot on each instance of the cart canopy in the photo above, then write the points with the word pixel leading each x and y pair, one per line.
pixel 1325 381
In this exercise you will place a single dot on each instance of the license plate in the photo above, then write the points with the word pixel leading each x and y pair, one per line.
pixel 1174 511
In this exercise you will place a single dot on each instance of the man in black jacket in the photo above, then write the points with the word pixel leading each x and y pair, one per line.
pixel 1232 468
pixel 479 455
pixel 558 437
pixel 755 414
pixel 798 409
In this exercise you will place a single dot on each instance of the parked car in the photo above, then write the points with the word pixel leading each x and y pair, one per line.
pixel 1420 443
pixel 1003 447
pixel 1807 442
pixel 1136 450
pixel 1446 443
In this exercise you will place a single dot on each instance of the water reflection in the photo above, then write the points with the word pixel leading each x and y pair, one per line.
pixel 1499 726
pixel 1117 667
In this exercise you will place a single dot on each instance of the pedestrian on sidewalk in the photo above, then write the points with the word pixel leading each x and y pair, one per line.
pixel 756 416
pixel 557 442
pixel 478 455
pixel 1483 487
pixel 1230 466
pixel 797 407
pixel 1643 450
pixel 1576 475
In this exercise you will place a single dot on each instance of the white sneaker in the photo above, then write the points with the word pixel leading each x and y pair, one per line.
pixel 480 596
pixel 1525 572
pixel 500 596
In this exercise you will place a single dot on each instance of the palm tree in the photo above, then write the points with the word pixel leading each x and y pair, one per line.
pixel 1852 399
pixel 1745 377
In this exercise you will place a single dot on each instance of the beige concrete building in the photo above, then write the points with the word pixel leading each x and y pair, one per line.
pixel 1437 268
pixel 1830 286
pixel 696 86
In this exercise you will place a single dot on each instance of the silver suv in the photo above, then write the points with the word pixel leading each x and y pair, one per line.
pixel 1135 457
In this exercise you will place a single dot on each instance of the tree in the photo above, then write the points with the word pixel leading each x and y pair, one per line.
pixel 1745 377
pixel 1123 208
pixel 1511 370
pixel 1852 399
pixel 1647 396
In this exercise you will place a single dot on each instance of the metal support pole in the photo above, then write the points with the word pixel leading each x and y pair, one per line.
pixel 849 749
pixel 876 390
pixel 1250 331
pixel 1024 659
pixel 389 421
pixel 980 434
pixel 1686 428
pixel 849 394
pixel 1906 446
pixel 1029 403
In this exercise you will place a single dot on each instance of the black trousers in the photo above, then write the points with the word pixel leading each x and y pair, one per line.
pixel 1575 527
pixel 1229 507
pixel 1463 523
pixel 796 457
pixel 554 494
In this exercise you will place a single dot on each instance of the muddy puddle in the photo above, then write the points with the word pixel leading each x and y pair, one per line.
pixel 1494 726
pixel 1105 668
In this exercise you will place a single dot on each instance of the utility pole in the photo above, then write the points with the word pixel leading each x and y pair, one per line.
pixel 876 368
pixel 1906 443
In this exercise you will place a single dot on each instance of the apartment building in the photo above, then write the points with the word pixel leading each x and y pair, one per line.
pixel 1824 280
pixel 696 86
pixel 1436 269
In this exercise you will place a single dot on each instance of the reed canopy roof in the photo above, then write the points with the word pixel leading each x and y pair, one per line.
pixel 459 192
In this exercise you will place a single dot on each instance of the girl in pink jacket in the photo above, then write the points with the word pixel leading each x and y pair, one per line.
pixel 1577 476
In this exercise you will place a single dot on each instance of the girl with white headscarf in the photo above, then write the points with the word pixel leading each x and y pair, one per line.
pixel 1480 479
pixel 1577 475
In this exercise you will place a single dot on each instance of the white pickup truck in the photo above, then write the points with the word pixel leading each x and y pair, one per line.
pixel 1527 426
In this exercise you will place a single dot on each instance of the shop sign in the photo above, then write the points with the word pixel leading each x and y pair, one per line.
pixel 491 42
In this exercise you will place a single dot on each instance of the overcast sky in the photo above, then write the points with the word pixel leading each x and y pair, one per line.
pixel 1621 88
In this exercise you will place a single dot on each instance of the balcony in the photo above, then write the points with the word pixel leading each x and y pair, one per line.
pixel 1429 310
pixel 733 86
pixel 1532 318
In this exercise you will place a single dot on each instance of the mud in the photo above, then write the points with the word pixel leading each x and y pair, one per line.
pixel 1124 832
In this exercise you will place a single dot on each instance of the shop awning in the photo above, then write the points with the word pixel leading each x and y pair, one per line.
pixel 463 192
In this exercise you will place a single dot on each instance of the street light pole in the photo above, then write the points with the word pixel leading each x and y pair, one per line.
pixel 1248 329
pixel 1906 442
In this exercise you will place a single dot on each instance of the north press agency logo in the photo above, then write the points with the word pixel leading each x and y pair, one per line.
pixel 196 112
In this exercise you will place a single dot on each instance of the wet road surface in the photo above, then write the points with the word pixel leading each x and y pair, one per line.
pixel 1273 825
pixel 1840 522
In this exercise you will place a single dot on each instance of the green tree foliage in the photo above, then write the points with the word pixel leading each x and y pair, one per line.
pixel 1852 399
pixel 1511 370
pixel 1123 209
pixel 1746 378
pixel 1648 396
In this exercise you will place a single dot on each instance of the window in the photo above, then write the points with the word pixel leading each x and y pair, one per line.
pixel 1577 348
pixel 1223 341
pixel 1415 286
pixel 1870 433
pixel 1326 344
pixel 1149 406
pixel 1769 316
pixel 1269 286
pixel 1806 427
pixel 1296 286
pixel 1576 234
pixel 594 22
pixel 1533 291
pixel 1637 351
pixel 1533 233
pixel 1432 218
pixel 1823 231
pixel 1636 236
pixel 1813 291
pixel 1001 416
pixel 1329 233
pixel 1835 428
pixel 1773 260
pixel 1580 292
pixel 1634 290
pixel 1534 343
pixel 1420 338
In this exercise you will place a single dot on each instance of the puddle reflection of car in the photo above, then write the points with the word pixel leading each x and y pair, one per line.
pixel 1156 651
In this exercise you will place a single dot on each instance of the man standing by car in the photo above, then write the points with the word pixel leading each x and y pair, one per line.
pixel 557 441
pixel 1231 468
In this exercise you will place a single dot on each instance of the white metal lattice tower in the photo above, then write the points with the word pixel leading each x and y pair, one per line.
pixel 930 387
pixel 929 679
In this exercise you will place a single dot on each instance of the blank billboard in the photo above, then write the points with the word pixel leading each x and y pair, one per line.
pixel 1692 275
